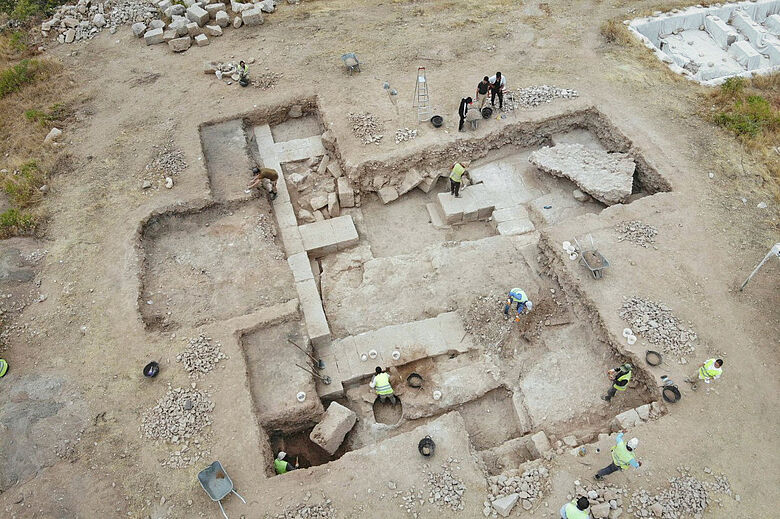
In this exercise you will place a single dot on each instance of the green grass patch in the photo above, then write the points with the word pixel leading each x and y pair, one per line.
pixel 14 222
pixel 25 9
pixel 57 112
pixel 747 115
pixel 14 78
pixel 22 185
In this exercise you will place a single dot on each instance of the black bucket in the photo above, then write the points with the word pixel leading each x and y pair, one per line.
pixel 414 380
pixel 487 112
pixel 437 121
pixel 151 370
pixel 653 358
pixel 426 446
pixel 671 394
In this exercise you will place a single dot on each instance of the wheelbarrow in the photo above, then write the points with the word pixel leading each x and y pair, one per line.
pixel 351 62
pixel 217 484
pixel 592 259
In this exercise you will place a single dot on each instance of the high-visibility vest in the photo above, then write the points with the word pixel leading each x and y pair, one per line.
pixel 280 466
pixel 621 455
pixel 3 367
pixel 243 70
pixel 382 384
pixel 572 512
pixel 517 295
pixel 627 378
pixel 709 370
pixel 457 172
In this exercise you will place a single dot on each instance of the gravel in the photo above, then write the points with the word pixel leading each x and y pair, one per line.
pixel 656 323
pixel 200 356
pixel 178 416
pixel 405 134
pixel 445 489
pixel 636 232
pixel 324 510
pixel 80 17
pixel 366 127
pixel 687 496
pixel 529 97
pixel 530 485
pixel 168 160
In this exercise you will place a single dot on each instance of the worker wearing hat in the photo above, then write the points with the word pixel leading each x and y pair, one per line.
pixel 710 370
pixel 622 457
pixel 620 377
pixel 281 466
pixel 519 297
pixel 3 367
pixel 265 176
pixel 381 384
pixel 576 509
pixel 459 170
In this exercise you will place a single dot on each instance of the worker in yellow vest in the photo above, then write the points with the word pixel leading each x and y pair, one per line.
pixel 3 367
pixel 381 384
pixel 576 509
pixel 456 177
pixel 281 466
pixel 710 370
pixel 620 377
pixel 622 457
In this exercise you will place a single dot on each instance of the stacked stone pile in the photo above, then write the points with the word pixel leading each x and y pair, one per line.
pixel 324 510
pixel 168 160
pixel 85 19
pixel 506 491
pixel 605 502
pixel 529 97
pixel 200 356
pixel 656 323
pixel 405 134
pixel 178 416
pixel 366 127
pixel 687 496
pixel 446 490
pixel 323 190
pixel 636 232
pixel 413 499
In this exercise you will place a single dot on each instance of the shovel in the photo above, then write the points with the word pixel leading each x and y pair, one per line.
pixel 325 380
pixel 318 362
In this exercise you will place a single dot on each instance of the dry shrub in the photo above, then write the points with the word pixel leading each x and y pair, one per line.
pixel 614 31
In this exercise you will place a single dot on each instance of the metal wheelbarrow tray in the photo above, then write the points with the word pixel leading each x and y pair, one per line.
pixel 351 62
pixel 217 484
pixel 595 262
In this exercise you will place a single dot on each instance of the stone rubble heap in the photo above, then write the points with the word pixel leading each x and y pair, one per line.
pixel 529 97
pixel 506 491
pixel 200 356
pixel 405 134
pixel 446 490
pixel 178 416
pixel 606 502
pixel 687 496
pixel 412 500
pixel 325 510
pixel 656 323
pixel 637 232
pixel 168 160
pixel 366 127
pixel 323 190
pixel 85 19
pixel 487 323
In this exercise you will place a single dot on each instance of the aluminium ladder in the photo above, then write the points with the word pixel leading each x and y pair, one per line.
pixel 421 99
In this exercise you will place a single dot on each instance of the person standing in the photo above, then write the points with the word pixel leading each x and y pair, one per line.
pixel 456 177
pixel 381 384
pixel 620 377
pixel 497 87
pixel 482 92
pixel 709 371
pixel 267 177
pixel 576 509
pixel 622 457
pixel 463 109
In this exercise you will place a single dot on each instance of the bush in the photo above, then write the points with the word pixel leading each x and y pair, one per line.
pixel 14 222
pixel 22 185
pixel 23 9
pixel 746 116
pixel 23 73
pixel 614 31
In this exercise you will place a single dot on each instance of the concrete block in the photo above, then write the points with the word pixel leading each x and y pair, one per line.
pixel 539 444
pixel 720 31
pixel 626 420
pixel 138 28
pixel 252 17
pixel 503 505
pixel 291 239
pixel 213 9
pixel 427 183
pixel 387 194
pixel 213 30
pixel 180 44
pixel 154 37
pixel 311 305
pixel 515 227
pixel 643 411
pixel 345 192
pixel 222 19
pixel 333 205
pixel 600 511
pixel 330 432
pixel 745 55
pixel 412 179
pixel 197 14
pixel 300 266
pixel 201 40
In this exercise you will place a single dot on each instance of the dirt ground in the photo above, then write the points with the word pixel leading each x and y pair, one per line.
pixel 71 405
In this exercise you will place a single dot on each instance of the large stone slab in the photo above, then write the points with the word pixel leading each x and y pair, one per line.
pixel 252 16
pixel 311 305
pixel 475 203
pixel 299 149
pixel 345 191
pixel 503 505
pixel 327 236
pixel 607 177
pixel 180 44
pixel 197 14
pixel 330 432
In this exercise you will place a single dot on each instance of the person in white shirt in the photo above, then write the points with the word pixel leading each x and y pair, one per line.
pixel 497 87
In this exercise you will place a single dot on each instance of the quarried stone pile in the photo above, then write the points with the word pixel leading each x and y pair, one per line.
pixel 605 502
pixel 507 491
pixel 85 19
pixel 178 416
pixel 686 496
pixel 446 490
pixel 636 232
pixel 656 323
pixel 607 177
pixel 200 356
pixel 324 510
pixel 529 97
pixel 366 127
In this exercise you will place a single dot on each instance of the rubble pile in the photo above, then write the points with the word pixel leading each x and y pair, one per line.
pixel 366 127
pixel 85 19
pixel 506 491
pixel 178 416
pixel 412 499
pixel 168 160
pixel 265 80
pixel 656 323
pixel 200 356
pixel 405 134
pixel 605 501
pixel 529 97
pixel 637 232
pixel 446 489
pixel 325 510
pixel 687 496
pixel 488 326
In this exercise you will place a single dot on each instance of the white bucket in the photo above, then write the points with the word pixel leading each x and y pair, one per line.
pixel 301 396
pixel 396 355
pixel 631 339
pixel 372 354
pixel 627 332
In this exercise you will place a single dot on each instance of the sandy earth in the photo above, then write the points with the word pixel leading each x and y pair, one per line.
pixel 72 402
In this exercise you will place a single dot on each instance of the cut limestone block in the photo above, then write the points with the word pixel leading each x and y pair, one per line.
pixel 291 239
pixel 180 44
pixel 138 29
pixel 539 444
pixel 201 40
pixel 330 432
pixel 515 227
pixel 169 35
pixel 346 194
pixel 193 29
pixel 475 203
pixel 411 180
pixel 222 19
pixel 333 205
pixel 213 9
pixel 321 238
pixel 600 511
pixel 387 194
pixel 745 55
pixel 299 149
pixel 427 183
pixel 213 30
pixel 311 305
pixel 435 217
pixel 197 14
pixel 508 214
pixel 720 31
pixel 237 22
pixel 154 37
pixel 607 177
pixel 300 266
pixel 252 17
pixel 626 420
pixel 643 411
pixel 334 169
pixel 503 505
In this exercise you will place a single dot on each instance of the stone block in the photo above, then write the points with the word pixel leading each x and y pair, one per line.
pixel 644 412
pixel 570 441
pixel 626 420
pixel 189 3
pixel 323 165
pixel 175 10
pixel 539 445
pixel 201 40
pixel 291 239
pixel 435 217
pixel 318 202
pixel 179 26
pixel 330 432
pixel 345 192
pixel 504 505
pixel 313 314
pixel 99 20
pixel 325 237
pixel 267 6
pixel 412 179
pixel 745 55
pixel 180 44
pixel 334 169
pixel 252 17
pixel 600 511
pixel 169 35
pixel 213 30
pixel 154 37
pixel 329 141
pixel 300 266
pixel 333 205
pixel 193 29
pixel 213 9
pixel 742 21
pixel 387 194
pixel 138 28
pixel 156 24
pixel 222 19
pixel 237 22
pixel 515 227
pixel 162 5
pixel 197 14
pixel 720 31
pixel 427 183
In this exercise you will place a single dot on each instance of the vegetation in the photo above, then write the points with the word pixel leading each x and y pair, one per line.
pixel 25 9
pixel 23 184
pixel 747 115
pixel 614 31
pixel 13 78
pixel 14 223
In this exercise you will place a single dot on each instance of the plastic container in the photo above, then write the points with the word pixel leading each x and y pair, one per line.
pixel 631 339
pixel 373 354
pixel 437 395
pixel 151 370
pixel 396 355
pixel 301 396
pixel 627 332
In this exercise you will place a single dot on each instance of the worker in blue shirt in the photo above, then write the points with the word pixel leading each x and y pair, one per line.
pixel 622 457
